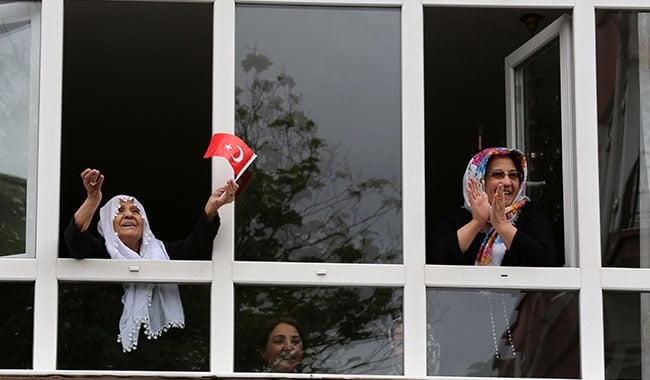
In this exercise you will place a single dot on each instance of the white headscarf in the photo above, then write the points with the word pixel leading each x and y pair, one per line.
pixel 156 306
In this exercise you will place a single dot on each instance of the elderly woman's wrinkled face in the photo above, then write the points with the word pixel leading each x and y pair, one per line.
pixel 501 169
pixel 283 351
pixel 128 224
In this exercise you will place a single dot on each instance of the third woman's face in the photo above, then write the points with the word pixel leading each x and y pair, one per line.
pixel 501 169
pixel 283 351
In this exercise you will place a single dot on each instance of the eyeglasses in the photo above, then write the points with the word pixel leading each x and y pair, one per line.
pixel 512 175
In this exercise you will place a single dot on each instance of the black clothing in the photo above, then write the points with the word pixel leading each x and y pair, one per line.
pixel 196 246
pixel 533 244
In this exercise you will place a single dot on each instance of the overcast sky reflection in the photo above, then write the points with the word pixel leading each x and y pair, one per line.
pixel 346 64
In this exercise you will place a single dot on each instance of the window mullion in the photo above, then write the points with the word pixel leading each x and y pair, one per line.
pixel 413 189
pixel 586 153
pixel 222 313
pixel 49 153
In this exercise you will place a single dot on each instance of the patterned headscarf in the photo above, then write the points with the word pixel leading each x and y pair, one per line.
pixel 156 306
pixel 492 248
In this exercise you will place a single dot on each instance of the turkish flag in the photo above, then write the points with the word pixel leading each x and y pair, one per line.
pixel 233 149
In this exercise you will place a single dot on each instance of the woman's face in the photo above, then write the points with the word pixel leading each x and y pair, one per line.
pixel 501 169
pixel 128 224
pixel 283 351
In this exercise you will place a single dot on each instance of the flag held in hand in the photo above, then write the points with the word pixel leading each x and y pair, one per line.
pixel 233 149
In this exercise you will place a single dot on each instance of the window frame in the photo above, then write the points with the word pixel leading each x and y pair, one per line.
pixel 560 29
pixel 46 270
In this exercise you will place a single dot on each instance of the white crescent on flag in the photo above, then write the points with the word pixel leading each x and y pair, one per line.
pixel 240 156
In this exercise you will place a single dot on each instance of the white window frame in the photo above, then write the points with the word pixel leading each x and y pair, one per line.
pixel 414 276
pixel 560 29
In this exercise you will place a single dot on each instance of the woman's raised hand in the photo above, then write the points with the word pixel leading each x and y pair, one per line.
pixel 498 212
pixel 221 196
pixel 478 201
pixel 92 180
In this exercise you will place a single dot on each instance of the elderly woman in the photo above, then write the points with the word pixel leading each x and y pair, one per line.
pixel 281 345
pixel 499 224
pixel 126 234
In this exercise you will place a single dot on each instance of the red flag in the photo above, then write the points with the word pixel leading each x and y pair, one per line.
pixel 233 149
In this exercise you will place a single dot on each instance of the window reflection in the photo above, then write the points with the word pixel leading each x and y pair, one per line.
pixel 89 316
pixel 623 74
pixel 342 329
pixel 321 107
pixel 627 334
pixel 506 333
pixel 543 137
pixel 19 52
pixel 16 325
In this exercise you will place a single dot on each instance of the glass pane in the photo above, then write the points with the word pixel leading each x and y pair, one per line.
pixel 542 131
pixel 623 74
pixel 19 66
pixel 318 99
pixel 17 325
pixel 465 113
pixel 503 333
pixel 89 320
pixel 137 93
pixel 627 335
pixel 343 330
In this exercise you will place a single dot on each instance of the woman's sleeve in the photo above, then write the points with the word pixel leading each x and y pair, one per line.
pixel 443 247
pixel 198 245
pixel 533 244
pixel 83 245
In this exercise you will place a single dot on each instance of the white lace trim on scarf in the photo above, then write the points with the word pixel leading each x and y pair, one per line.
pixel 157 307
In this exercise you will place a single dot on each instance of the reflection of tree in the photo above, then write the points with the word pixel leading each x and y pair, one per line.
pixel 305 203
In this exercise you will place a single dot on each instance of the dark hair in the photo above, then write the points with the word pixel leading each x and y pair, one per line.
pixel 514 156
pixel 268 327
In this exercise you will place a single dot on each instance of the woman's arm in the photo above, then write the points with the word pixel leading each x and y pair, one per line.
pixel 444 247
pixel 80 244
pixel 83 245
pixel 221 196
pixel 480 206
pixel 92 180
